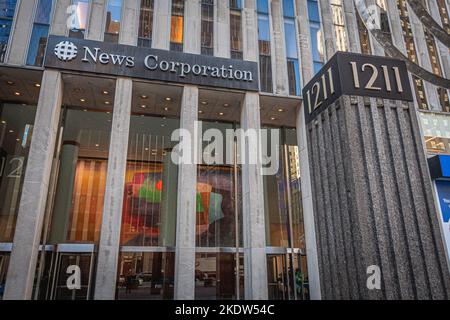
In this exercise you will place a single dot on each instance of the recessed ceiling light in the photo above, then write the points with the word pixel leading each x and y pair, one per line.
pixel 166 109
pixel 146 149
pixel 3 122
pixel 83 100
pixel 104 92
pixel 200 111
pixel 204 103
pixel 143 106
pixel 11 83
pixel 17 139
pixel 85 110
pixel 273 118
pixel 17 93
pixel 107 112
pixel 221 114
pixel 107 102
pixel 226 105
pixel 37 85
pixel 144 97
pixel 97 145
pixel 11 131
pixel 163 125
pixel 168 99
pixel 280 110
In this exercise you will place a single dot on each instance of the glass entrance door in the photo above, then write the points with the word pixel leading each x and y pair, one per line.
pixel 277 274
pixel 72 275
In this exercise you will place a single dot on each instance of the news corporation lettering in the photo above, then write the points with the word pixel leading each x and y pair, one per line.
pixel 154 63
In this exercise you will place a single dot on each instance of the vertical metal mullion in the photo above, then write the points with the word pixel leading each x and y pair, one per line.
pixel 236 221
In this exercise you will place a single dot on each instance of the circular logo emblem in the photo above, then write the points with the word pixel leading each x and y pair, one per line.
pixel 66 51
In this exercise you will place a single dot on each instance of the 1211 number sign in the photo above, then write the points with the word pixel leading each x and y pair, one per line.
pixel 357 75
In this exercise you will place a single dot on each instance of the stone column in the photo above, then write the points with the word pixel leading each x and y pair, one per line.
pixel 186 203
pixel 108 252
pixel 161 24
pixel 60 16
pixel 22 267
pixel 250 31
pixel 222 29
pixel 327 28
pixel 192 26
pixel 97 20
pixel 252 183
pixel 279 49
pixel 375 212
pixel 21 32
pixel 351 25
pixel 253 206
pixel 308 210
pixel 129 26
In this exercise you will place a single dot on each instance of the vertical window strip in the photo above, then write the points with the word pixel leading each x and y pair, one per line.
pixel 207 32
pixel 113 20
pixel 146 23
pixel 39 35
pixel 291 48
pixel 79 17
pixel 411 52
pixel 337 13
pixel 7 10
pixel 177 26
pixel 236 29
pixel 364 38
pixel 265 59
pixel 317 46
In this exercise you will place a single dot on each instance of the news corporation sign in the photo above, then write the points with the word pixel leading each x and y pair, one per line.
pixel 152 64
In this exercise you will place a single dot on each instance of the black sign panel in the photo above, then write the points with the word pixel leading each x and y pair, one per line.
pixel 145 63
pixel 358 75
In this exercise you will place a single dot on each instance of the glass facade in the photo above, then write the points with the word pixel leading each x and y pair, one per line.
pixel 80 187
pixel 113 18
pixel 7 9
pixel 16 129
pixel 151 182
pixel 177 25
pixel 41 26
pixel 315 29
pixel 265 59
pixel 146 23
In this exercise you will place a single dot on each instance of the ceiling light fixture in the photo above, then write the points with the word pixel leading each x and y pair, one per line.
pixel 17 93
pixel 11 83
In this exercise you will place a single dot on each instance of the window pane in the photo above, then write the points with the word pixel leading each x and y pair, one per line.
pixel 82 11
pixel 317 43
pixel 291 39
pixel 43 11
pixel 177 25
pixel 265 69
pixel 151 181
pixel 313 11
pixel 263 6
pixel 207 32
pixel 176 34
pixel 288 8
pixel 236 4
pixel 113 17
pixel 146 276
pixel 38 43
pixel 80 190
pixel 294 77
pixel 236 34
pixel 7 8
pixel 263 28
